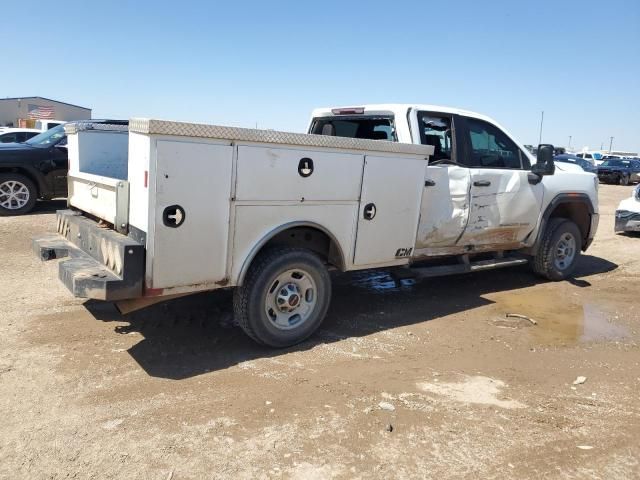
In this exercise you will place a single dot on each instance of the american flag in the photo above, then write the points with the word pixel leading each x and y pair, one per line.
pixel 40 111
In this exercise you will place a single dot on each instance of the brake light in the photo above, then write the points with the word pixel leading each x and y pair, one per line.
pixel 348 111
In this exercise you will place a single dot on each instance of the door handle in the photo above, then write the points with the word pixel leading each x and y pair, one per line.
pixel 481 183
pixel 369 211
pixel 429 183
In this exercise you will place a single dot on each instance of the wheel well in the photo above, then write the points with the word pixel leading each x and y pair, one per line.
pixel 311 238
pixel 578 213
pixel 302 236
pixel 24 172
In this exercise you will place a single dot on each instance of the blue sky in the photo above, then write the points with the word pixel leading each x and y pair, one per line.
pixel 242 63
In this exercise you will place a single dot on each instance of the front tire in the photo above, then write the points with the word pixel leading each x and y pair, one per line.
pixel 284 297
pixel 559 251
pixel 18 194
pixel 624 180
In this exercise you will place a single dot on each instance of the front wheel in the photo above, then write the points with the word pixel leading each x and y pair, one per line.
pixel 559 250
pixel 624 180
pixel 284 297
pixel 18 194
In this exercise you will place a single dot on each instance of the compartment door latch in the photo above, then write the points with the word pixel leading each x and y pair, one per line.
pixel 173 216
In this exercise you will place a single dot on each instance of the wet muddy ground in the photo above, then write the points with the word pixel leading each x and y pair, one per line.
pixel 405 379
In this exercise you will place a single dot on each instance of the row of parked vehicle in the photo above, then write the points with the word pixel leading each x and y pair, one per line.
pixel 616 170
pixel 18 135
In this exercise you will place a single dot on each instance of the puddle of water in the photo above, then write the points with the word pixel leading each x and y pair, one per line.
pixel 380 282
pixel 559 319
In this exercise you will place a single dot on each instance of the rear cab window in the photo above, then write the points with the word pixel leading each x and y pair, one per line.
pixel 364 126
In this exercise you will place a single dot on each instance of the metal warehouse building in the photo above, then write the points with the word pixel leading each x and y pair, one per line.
pixel 24 111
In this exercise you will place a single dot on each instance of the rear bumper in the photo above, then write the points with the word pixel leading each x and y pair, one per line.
pixel 102 264
pixel 627 221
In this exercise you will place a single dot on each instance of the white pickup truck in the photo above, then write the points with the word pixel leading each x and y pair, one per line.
pixel 161 209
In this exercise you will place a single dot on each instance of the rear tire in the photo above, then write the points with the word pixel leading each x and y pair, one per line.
pixel 284 297
pixel 559 250
pixel 18 194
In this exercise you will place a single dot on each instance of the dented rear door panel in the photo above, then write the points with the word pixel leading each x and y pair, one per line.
pixel 445 206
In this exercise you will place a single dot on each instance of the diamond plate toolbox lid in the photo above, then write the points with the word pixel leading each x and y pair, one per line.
pixel 184 129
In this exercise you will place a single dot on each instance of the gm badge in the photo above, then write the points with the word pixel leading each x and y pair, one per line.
pixel 404 252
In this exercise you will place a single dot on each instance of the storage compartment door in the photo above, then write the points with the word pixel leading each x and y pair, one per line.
pixel 193 192
pixel 389 210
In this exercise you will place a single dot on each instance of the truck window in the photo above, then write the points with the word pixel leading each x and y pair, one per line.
pixel 491 148
pixel 372 128
pixel 436 130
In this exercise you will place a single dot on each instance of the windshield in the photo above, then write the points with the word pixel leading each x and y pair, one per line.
pixel 616 163
pixel 50 137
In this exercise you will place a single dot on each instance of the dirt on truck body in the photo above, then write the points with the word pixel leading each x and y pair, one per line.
pixel 405 379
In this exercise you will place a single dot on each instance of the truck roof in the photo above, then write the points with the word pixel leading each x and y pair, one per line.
pixel 400 109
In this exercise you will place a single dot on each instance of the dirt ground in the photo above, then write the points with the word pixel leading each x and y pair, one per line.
pixel 420 380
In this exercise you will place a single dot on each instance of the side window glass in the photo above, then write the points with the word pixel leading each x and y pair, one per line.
pixel 491 148
pixel 437 131
pixel 8 138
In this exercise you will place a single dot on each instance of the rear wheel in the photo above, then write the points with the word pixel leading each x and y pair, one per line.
pixel 284 298
pixel 559 250
pixel 18 194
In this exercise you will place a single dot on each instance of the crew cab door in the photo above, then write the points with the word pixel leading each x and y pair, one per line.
pixel 445 200
pixel 504 207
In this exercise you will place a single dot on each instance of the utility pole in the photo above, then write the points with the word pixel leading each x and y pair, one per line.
pixel 610 144
pixel 541 122
pixel 569 147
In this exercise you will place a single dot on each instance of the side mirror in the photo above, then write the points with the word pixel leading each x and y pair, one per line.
pixel 544 165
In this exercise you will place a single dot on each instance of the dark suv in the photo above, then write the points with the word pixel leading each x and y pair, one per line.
pixel 35 169
pixel 619 170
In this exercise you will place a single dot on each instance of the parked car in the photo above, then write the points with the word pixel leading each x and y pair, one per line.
pixel 586 165
pixel 628 213
pixel 619 171
pixel 35 168
pixel 595 158
pixel 17 135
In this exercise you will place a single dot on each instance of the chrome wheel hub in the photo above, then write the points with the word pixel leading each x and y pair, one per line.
pixel 13 194
pixel 565 251
pixel 288 298
pixel 291 299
